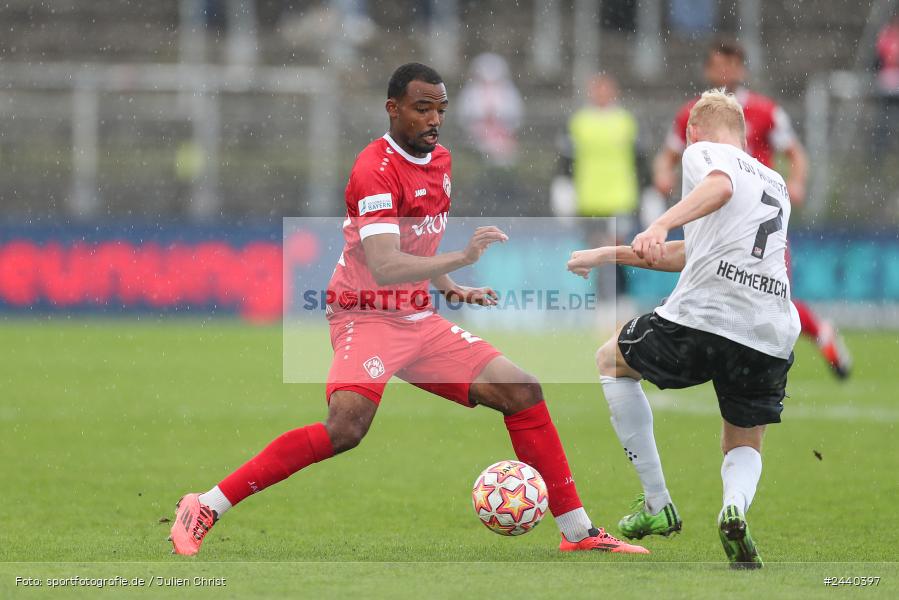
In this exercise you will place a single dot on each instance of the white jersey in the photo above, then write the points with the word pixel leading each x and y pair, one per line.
pixel 735 280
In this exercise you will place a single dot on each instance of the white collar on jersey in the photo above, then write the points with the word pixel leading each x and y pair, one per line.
pixel 406 155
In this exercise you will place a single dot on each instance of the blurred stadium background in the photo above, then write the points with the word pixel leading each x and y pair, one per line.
pixel 150 143
pixel 149 151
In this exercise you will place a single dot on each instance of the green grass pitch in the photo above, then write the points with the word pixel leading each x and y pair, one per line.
pixel 105 423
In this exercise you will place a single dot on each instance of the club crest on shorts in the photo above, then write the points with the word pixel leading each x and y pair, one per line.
pixel 447 186
pixel 374 367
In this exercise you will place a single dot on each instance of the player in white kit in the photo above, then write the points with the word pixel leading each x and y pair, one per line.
pixel 729 320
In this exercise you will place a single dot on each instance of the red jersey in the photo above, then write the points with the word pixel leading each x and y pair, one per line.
pixel 390 191
pixel 888 59
pixel 768 128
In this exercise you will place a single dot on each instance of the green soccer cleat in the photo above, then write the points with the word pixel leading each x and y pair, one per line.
pixel 641 523
pixel 738 544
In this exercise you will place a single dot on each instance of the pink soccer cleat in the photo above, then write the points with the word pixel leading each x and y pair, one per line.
pixel 193 521
pixel 603 542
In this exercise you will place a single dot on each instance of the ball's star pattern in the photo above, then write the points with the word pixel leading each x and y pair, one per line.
pixel 514 502
pixel 480 496
pixel 494 524
pixel 538 483
pixel 509 497
pixel 507 469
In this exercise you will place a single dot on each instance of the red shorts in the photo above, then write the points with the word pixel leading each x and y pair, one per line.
pixel 428 352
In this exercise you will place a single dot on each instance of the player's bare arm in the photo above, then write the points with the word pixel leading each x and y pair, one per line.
pixel 583 261
pixel 663 170
pixel 390 265
pixel 455 292
pixel 709 195
pixel 796 182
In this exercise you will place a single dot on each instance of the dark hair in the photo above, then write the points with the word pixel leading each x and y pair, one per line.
pixel 396 88
pixel 728 47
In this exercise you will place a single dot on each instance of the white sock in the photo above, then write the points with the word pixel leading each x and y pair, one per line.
pixel 216 500
pixel 632 420
pixel 574 524
pixel 740 473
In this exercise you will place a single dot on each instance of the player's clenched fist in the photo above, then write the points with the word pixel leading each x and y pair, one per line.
pixel 483 237
pixel 582 261
pixel 650 244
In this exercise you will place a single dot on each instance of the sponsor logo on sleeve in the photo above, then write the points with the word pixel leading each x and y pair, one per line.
pixel 375 203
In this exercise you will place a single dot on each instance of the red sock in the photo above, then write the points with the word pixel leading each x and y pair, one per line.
pixel 807 319
pixel 536 442
pixel 286 455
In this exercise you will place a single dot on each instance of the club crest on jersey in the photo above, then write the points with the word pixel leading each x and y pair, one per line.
pixel 374 367
pixel 447 186
pixel 431 224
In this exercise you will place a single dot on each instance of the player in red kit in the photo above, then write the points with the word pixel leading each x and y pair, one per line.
pixel 383 324
pixel 768 132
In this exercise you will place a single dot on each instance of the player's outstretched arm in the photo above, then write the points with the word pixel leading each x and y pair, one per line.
pixel 709 195
pixel 390 265
pixel 583 261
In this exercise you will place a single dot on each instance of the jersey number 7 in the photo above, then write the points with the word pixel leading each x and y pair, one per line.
pixel 768 227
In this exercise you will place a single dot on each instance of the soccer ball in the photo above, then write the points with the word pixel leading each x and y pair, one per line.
pixel 510 497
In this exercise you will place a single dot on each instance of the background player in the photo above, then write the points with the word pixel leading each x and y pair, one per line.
pixel 768 131
pixel 382 324
pixel 729 320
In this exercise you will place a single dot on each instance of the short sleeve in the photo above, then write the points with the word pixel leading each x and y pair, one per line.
pixel 702 158
pixel 782 135
pixel 676 140
pixel 372 203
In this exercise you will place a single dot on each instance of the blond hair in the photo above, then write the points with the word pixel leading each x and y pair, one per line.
pixel 718 109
